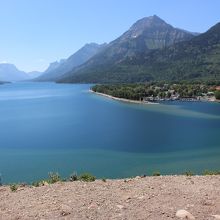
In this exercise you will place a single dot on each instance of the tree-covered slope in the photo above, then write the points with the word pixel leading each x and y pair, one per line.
pixel 198 58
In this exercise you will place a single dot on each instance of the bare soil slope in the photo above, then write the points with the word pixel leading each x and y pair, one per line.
pixel 156 198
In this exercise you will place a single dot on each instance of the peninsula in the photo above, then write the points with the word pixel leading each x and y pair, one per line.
pixel 157 92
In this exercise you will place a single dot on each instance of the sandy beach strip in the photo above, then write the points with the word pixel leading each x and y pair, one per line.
pixel 122 99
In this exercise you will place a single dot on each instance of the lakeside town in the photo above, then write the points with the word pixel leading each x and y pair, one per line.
pixel 158 92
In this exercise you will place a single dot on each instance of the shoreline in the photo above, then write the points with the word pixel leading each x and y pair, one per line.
pixel 148 102
pixel 123 99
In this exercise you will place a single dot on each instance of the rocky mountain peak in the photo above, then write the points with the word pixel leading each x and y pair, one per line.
pixel 147 24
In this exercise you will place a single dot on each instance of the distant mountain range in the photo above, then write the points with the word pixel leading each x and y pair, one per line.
pixel 57 69
pixel 10 73
pixel 150 50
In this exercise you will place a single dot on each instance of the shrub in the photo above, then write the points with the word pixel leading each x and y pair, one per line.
pixel 14 187
pixel 157 173
pixel 189 173
pixel 103 179
pixel 53 177
pixel 73 177
pixel 210 172
pixel 217 95
pixel 36 183
pixel 87 177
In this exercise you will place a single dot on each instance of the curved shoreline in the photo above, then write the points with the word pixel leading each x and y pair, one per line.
pixel 147 102
pixel 122 99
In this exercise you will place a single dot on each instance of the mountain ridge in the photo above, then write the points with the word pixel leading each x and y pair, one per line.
pixel 194 58
pixel 143 36
pixel 57 69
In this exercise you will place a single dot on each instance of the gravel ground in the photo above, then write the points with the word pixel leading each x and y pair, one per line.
pixel 156 198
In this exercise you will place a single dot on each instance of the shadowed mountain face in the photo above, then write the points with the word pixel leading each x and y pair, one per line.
pixel 144 36
pixel 9 73
pixel 197 58
pixel 57 69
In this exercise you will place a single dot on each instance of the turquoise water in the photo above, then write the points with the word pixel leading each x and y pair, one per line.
pixel 54 127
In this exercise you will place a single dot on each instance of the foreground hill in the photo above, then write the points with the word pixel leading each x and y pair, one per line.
pixel 145 35
pixel 153 198
pixel 57 69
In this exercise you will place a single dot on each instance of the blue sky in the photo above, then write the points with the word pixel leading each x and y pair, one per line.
pixel 37 32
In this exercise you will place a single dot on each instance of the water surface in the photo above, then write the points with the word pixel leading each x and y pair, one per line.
pixel 62 127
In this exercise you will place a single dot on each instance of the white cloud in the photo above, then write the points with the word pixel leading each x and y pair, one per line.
pixel 3 61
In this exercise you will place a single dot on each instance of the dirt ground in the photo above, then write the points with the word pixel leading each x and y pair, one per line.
pixel 156 198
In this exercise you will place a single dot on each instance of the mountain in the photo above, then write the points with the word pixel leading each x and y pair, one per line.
pixel 198 58
pixel 10 73
pixel 57 69
pixel 53 66
pixel 145 35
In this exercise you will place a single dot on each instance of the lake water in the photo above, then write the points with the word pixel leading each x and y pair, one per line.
pixel 61 127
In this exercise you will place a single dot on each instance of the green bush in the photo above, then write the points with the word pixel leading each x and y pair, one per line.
pixel 217 95
pixel 14 187
pixel 157 173
pixel 36 183
pixel 54 177
pixel 211 172
pixel 189 173
pixel 87 177
pixel 73 177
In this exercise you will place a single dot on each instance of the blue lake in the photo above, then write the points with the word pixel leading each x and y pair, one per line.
pixel 62 127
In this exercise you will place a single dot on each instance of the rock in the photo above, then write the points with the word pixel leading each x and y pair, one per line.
pixel 216 216
pixel 93 206
pixel 65 210
pixel 20 189
pixel 190 205
pixel 207 202
pixel 184 214
pixel 120 206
